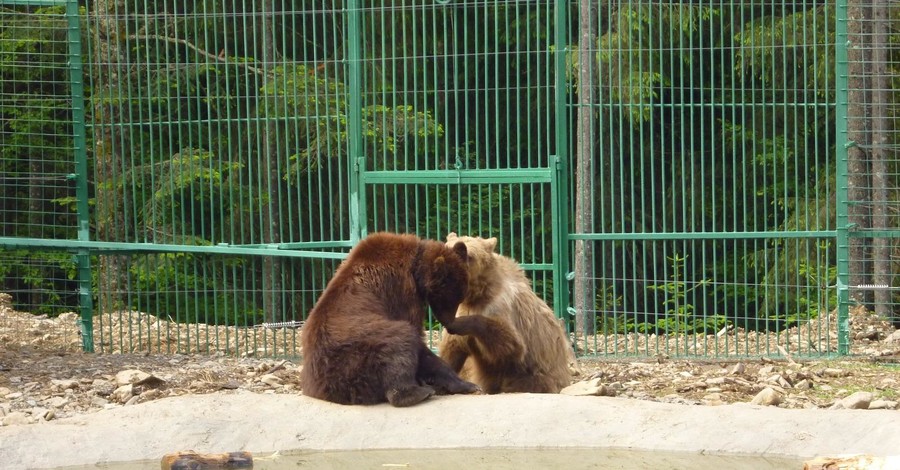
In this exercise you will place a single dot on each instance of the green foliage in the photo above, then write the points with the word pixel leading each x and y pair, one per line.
pixel 186 288
pixel 40 282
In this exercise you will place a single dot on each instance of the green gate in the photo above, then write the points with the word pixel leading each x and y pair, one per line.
pixel 677 179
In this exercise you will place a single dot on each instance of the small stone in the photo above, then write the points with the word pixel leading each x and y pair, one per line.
pixel 767 397
pixel 856 401
pixel 65 384
pixel 231 385
pixel 150 395
pixel 803 385
pixel 133 400
pixel 738 369
pixel 130 376
pixel 893 337
pixel 832 372
pixel 16 418
pixel 713 399
pixel 883 405
pixel 586 388
pixel 99 401
pixel 122 394
pixel 13 396
pixel 715 381
pixel 49 415
pixel 57 402
pixel 271 380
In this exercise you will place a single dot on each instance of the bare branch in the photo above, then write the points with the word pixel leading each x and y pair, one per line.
pixel 223 59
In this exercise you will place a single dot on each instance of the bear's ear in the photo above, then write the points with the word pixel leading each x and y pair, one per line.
pixel 491 243
pixel 452 236
pixel 460 249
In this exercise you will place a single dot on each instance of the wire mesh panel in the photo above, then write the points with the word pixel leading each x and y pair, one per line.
pixel 465 92
pixel 42 172
pixel 869 71
pixel 672 169
pixel 218 124
pixel 704 176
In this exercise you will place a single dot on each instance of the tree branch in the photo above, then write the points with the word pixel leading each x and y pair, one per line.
pixel 185 42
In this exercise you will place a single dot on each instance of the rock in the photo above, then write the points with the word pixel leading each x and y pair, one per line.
pixel 586 388
pixel 271 380
pixel 130 376
pixel 870 334
pixel 122 394
pixel 99 402
pixel 15 418
pixel 150 395
pixel 65 384
pixel 713 399
pixel 102 388
pixel 893 337
pixel 856 401
pixel 49 415
pixel 57 402
pixel 767 397
pixel 13 395
pixel 715 381
pixel 231 385
pixel 738 369
pixel 832 372
pixel 883 405
pixel 804 385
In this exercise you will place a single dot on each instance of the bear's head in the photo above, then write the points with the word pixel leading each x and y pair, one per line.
pixel 481 260
pixel 444 277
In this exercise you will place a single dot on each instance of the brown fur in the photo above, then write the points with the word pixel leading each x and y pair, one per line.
pixel 363 341
pixel 525 348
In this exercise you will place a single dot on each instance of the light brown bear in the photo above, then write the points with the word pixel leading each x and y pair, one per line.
pixel 525 349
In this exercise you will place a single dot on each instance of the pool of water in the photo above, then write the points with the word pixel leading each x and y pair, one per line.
pixel 495 459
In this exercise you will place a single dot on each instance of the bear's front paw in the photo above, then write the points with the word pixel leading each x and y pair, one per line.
pixel 408 396
pixel 455 387
pixel 465 388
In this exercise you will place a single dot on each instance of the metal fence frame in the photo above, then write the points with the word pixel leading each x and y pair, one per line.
pixel 557 175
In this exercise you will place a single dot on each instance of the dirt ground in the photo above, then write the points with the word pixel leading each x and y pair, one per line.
pixel 45 380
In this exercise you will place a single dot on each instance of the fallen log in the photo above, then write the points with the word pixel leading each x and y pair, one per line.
pixel 853 462
pixel 190 460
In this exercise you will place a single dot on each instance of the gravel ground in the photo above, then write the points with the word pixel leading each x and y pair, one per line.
pixel 46 380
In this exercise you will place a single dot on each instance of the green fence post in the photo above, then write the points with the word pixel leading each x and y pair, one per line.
pixel 76 78
pixel 841 176
pixel 354 118
pixel 559 168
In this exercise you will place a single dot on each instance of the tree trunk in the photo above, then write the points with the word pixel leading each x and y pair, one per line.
pixel 583 288
pixel 858 127
pixel 881 155
pixel 271 178
pixel 108 152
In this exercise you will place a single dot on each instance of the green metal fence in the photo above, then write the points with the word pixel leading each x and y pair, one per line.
pixel 677 179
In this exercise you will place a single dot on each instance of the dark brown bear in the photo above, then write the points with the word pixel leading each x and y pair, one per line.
pixel 363 341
